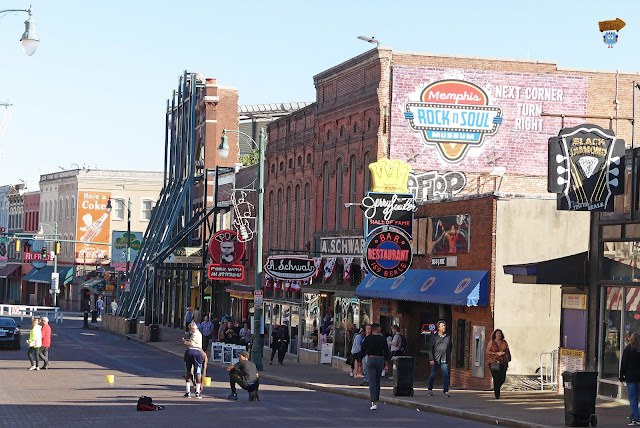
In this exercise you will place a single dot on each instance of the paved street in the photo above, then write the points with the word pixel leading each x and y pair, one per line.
pixel 74 391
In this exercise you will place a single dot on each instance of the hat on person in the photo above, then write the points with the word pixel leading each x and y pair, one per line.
pixel 244 354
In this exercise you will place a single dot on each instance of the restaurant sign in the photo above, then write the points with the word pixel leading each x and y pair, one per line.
pixel 388 253
pixel 586 168
pixel 290 268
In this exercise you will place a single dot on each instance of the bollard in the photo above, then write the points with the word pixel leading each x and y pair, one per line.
pixel 110 379
pixel 207 381
pixel 86 320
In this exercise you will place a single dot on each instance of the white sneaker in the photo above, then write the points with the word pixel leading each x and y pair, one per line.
pixel 32 368
pixel 383 373
pixel 373 407
pixel 351 374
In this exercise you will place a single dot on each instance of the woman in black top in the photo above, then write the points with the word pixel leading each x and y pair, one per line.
pixel 376 348
pixel 630 373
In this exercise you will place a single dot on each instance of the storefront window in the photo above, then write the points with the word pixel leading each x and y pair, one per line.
pixel 632 313
pixel 612 322
pixel 621 261
pixel 267 325
pixel 295 323
pixel 310 321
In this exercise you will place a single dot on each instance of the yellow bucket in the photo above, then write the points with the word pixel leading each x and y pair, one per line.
pixel 110 378
pixel 207 381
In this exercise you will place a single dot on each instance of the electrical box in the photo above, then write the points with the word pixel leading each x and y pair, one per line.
pixel 478 351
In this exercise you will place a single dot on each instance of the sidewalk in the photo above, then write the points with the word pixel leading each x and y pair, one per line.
pixel 514 409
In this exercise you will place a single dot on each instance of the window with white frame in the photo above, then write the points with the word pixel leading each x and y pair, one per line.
pixel 73 207
pixel 66 208
pixel 118 212
pixel 147 207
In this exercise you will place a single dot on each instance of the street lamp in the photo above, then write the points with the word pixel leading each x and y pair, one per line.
pixel 29 38
pixel 223 151
pixel 109 208
pixel 54 290
pixel 370 40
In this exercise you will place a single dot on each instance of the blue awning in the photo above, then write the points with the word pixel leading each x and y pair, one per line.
pixel 43 275
pixel 450 287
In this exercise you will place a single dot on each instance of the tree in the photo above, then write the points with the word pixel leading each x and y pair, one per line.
pixel 250 159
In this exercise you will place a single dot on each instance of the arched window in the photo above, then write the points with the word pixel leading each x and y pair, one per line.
pixel 341 130
pixel 339 206
pixel 280 215
pixel 296 236
pixel 353 182
pixel 273 168
pixel 328 135
pixel 326 197
pixel 281 166
pixel 299 160
pixel 308 158
pixel 290 163
pixel 355 127
pixel 307 212
pixel 73 207
pixel 61 209
pixel 272 219
pixel 367 173
pixel 369 124
pixel 290 213
pixel 67 208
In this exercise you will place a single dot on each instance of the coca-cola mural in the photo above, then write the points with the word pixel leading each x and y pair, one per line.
pixel 93 225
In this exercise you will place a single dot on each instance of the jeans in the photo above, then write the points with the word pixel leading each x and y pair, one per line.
pixel 44 355
pixel 445 375
pixel 633 389
pixel 365 372
pixel 374 369
pixel 499 376
pixel 33 353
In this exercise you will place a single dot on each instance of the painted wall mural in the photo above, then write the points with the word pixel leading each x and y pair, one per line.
pixel 456 119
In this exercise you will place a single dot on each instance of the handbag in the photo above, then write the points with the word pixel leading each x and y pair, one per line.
pixel 495 366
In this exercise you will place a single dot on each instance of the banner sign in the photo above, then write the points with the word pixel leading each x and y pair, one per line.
pixel 93 225
pixel 389 209
pixel 433 186
pixel 290 268
pixel 388 253
pixel 226 247
pixel 586 168
pixel 119 247
pixel 225 272
pixel 191 255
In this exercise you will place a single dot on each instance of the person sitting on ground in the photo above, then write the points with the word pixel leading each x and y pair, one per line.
pixel 194 360
pixel 246 375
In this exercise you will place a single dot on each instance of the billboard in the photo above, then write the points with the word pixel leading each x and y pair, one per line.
pixel 119 247
pixel 93 225
pixel 459 119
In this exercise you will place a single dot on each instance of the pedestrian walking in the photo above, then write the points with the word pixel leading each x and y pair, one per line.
pixel 196 313
pixel 245 374
pixel 499 356
pixel 274 342
pixel 207 333
pixel 630 373
pixel 440 349
pixel 114 307
pixel 356 353
pixel 100 306
pixel 187 319
pixel 216 329
pixel 34 342
pixel 365 357
pixel 221 330
pixel 283 341
pixel 245 335
pixel 46 343
pixel 376 349
pixel 194 360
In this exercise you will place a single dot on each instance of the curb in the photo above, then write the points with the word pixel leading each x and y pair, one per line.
pixel 423 407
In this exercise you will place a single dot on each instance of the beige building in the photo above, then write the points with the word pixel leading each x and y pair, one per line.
pixel 75 204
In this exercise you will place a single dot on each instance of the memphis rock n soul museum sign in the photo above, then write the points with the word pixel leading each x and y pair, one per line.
pixel 388 209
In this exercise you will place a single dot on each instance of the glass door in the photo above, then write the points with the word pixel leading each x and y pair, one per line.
pixel 612 326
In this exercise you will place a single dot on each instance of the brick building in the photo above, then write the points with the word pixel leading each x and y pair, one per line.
pixel 475 131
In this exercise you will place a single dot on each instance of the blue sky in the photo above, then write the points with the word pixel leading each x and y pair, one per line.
pixel 96 89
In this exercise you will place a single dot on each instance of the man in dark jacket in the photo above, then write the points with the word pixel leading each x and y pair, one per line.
pixel 283 341
pixel 630 373
pixel 440 349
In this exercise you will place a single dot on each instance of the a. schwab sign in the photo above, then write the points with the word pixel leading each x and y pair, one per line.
pixel 342 246
pixel 290 268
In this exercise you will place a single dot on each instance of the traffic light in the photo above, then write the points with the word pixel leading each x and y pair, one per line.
pixel 3 229
pixel 17 245
pixel 57 248
pixel 44 252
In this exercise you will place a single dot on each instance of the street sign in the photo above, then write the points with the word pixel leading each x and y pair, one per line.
pixel 257 299
pixel 127 286
pixel 4 239
pixel 55 281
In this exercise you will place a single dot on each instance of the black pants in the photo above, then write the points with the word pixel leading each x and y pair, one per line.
pixel 205 342
pixel 32 353
pixel 282 350
pixel 499 376
pixel 273 352
pixel 44 355
pixel 235 379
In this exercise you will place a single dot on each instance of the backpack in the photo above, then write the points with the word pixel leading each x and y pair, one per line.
pixel 145 404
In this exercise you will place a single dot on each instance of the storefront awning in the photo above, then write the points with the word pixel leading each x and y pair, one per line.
pixel 43 276
pixel 240 291
pixel 452 287
pixel 569 270
pixel 9 269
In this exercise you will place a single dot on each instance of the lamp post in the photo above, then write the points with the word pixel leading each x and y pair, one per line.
pixel 109 208
pixel 223 151
pixel 29 38
pixel 54 291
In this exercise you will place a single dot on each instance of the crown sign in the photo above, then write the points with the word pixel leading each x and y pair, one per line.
pixel 390 176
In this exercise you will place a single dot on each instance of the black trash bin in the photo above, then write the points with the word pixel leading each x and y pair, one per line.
pixel 132 326
pixel 403 375
pixel 155 332
pixel 580 389
pixel 94 316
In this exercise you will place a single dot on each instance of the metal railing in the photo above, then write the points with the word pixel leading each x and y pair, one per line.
pixel 549 369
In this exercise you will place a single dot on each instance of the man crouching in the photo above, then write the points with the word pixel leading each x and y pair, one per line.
pixel 193 360
pixel 245 374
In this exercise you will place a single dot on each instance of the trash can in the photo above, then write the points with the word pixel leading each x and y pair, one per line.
pixel 155 332
pixel 94 316
pixel 132 326
pixel 403 375
pixel 580 389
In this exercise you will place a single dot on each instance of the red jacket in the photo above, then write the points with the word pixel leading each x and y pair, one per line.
pixel 46 336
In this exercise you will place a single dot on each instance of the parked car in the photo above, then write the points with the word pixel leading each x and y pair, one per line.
pixel 9 333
